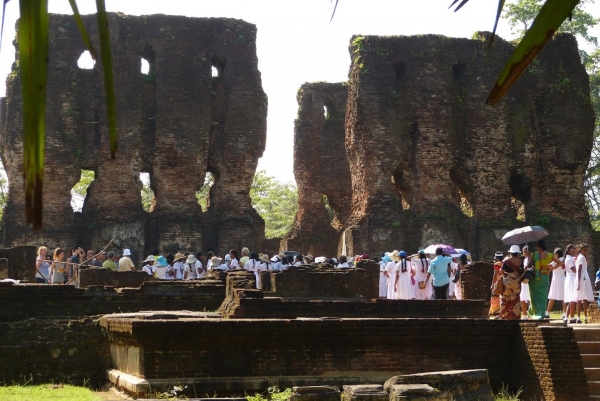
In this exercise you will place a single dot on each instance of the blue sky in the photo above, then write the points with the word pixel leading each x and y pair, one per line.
pixel 296 43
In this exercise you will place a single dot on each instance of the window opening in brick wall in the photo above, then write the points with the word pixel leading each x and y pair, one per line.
pixel 325 112
pixel 148 197
pixel 330 211
pixel 145 66
pixel 465 205
pixel 3 189
pixel 203 195
pixel 85 61
pixel 79 190
pixel 215 72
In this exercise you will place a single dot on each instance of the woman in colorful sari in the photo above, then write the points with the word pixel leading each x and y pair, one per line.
pixel 495 300
pixel 511 272
pixel 538 285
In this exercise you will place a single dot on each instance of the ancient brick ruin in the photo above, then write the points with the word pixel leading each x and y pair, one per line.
pixel 430 162
pixel 176 123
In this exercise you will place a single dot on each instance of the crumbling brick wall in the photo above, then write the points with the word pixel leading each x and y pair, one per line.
pixel 430 162
pixel 321 169
pixel 176 123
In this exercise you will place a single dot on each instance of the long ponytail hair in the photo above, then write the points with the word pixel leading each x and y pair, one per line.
pixel 424 265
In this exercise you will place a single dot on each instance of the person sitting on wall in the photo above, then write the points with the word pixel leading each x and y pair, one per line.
pixel 110 262
pixel 149 265
pixel 125 263
pixel 440 269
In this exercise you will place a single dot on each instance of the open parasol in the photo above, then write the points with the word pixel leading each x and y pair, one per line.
pixel 524 234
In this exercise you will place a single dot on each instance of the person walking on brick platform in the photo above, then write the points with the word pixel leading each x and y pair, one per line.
pixel 557 284
pixel 585 292
pixel 390 273
pixel 495 300
pixel 538 285
pixel 385 259
pixel 440 269
pixel 524 296
pixel 403 285
pixel 42 267
pixel 125 263
pixel 510 274
pixel 420 264
pixel 570 291
pixel 58 267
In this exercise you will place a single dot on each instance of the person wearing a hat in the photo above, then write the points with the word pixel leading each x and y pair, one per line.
pixel 511 270
pixel 495 300
pixel 420 264
pixel 403 287
pixel 265 264
pixel 160 268
pixel 308 259
pixel 440 270
pixel 148 265
pixel 390 273
pixel 179 265
pixel 190 271
pixel 125 263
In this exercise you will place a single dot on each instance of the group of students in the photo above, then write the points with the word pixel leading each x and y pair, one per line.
pixel 417 276
pixel 527 284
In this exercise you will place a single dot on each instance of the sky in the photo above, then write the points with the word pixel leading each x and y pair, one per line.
pixel 297 43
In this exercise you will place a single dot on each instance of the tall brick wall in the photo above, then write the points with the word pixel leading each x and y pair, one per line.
pixel 321 169
pixel 431 163
pixel 176 123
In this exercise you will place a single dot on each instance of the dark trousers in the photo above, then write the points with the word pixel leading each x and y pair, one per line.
pixel 441 292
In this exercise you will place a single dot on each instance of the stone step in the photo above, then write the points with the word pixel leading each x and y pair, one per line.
pixel 589 347
pixel 590 360
pixel 592 374
pixel 594 387
pixel 587 334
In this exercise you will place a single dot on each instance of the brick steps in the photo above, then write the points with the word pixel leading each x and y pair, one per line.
pixel 588 340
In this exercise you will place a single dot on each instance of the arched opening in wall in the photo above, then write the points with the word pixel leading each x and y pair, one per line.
pixel 3 190
pixel 79 190
pixel 325 112
pixel 148 197
pixel 85 61
pixel 465 205
pixel 330 211
pixel 399 181
pixel 520 191
pixel 203 195
pixel 460 190
pixel 145 66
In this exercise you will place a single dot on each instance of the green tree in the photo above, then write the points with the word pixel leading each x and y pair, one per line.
pixel 79 191
pixel 3 193
pixel 275 202
pixel 203 195
pixel 520 16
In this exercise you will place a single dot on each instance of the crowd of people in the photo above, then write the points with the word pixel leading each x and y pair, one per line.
pixel 527 284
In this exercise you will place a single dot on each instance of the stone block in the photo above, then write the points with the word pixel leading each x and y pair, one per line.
pixel 365 392
pixel 461 385
pixel 415 392
pixel 315 393
pixel 106 277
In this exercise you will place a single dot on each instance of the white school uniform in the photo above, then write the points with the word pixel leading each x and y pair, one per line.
pixel 405 287
pixel 391 269
pixel 190 271
pixel 585 285
pixel 148 269
pixel 570 289
pixel 456 287
pixel 169 276
pixel 421 266
pixel 557 285
pixel 179 267
pixel 524 295
pixel 200 272
pixel 382 280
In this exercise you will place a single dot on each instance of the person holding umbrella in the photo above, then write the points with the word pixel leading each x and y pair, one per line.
pixel 538 286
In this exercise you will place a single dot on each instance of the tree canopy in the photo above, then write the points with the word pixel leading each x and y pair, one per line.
pixel 275 202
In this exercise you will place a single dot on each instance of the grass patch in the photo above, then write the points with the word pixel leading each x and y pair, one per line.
pixel 45 392
pixel 505 395
pixel 273 394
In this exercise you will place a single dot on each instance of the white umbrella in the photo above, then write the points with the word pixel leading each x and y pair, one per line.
pixel 524 234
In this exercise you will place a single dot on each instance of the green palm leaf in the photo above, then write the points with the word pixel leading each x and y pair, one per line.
pixel 33 62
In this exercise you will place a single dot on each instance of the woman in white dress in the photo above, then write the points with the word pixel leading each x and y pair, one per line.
pixel 253 266
pixel 382 278
pixel 557 285
pixel 420 264
pixel 390 273
pixel 404 276
pixel 570 293
pixel 524 295
pixel 585 293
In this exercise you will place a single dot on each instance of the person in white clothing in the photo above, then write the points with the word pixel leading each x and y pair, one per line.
pixel 390 273
pixel 200 269
pixel 209 264
pixel 160 268
pixel 234 264
pixel 403 286
pixel 189 272
pixel 585 292
pixel 385 259
pixel 524 295
pixel 420 264
pixel 570 291
pixel 253 266
pixel 224 262
pixel 557 284
pixel 343 262
pixel 179 265
pixel 148 265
